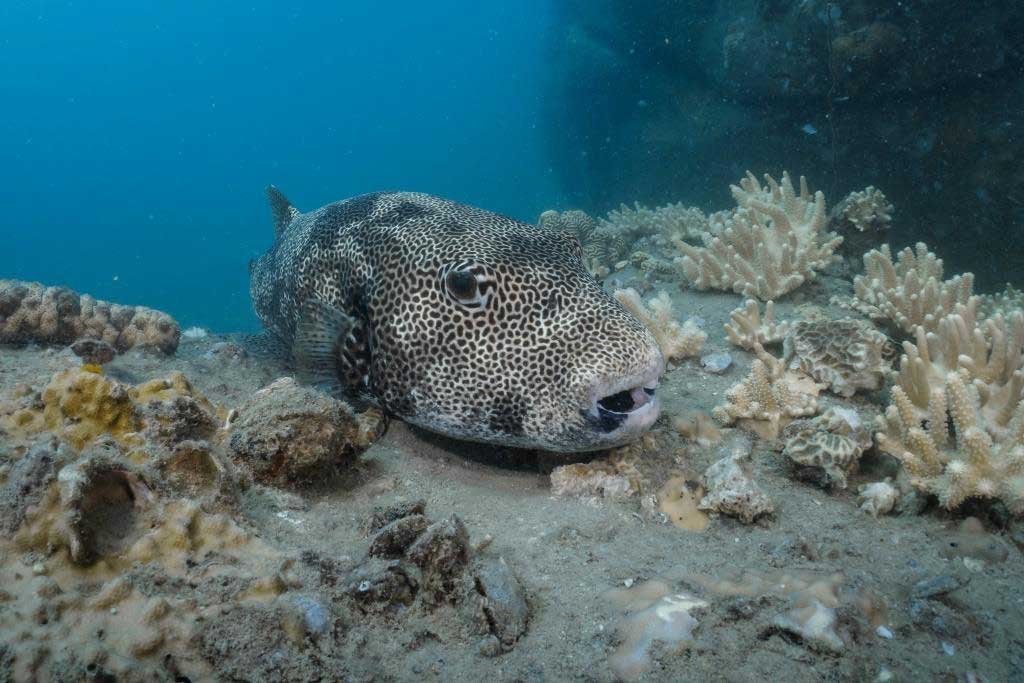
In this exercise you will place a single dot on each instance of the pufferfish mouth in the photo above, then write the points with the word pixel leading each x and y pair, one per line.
pixel 626 402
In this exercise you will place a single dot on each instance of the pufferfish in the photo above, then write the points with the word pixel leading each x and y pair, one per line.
pixel 457 320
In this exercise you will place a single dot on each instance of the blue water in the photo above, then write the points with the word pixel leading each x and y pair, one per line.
pixel 136 138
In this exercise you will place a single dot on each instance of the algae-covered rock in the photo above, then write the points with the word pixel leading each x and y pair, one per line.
pixel 288 433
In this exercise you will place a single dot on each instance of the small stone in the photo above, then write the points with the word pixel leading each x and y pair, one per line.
pixel 884 632
pixel 939 585
pixel 93 351
pixel 393 540
pixel 948 648
pixel 314 615
pixel 489 646
pixel 716 363
pixel 38 569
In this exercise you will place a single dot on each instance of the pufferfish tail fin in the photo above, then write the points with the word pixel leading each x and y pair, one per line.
pixel 330 350
pixel 282 209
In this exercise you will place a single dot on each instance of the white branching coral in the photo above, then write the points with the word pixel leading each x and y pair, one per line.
pixel 772 243
pixel 966 462
pixel 676 341
pixel 911 291
pixel 749 329
pixel 956 421
pixel 769 398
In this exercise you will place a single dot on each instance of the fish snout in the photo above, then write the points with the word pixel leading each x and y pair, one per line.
pixel 622 407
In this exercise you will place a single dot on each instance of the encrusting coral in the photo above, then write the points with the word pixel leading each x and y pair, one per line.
pixel 956 421
pixel 769 398
pixel 749 329
pixel 676 341
pixel 832 442
pixel 909 292
pixel 770 245
pixel 846 355
pixel 32 312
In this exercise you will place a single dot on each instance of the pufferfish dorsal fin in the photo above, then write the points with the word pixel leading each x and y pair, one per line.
pixel 330 349
pixel 282 209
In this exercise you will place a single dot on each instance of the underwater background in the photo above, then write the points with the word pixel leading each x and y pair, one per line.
pixel 138 137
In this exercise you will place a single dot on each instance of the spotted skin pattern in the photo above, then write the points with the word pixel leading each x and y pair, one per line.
pixel 467 323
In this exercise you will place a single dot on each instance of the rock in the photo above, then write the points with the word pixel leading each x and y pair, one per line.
pixel 502 601
pixel 26 483
pixel 316 617
pixel 936 586
pixel 94 351
pixel 441 553
pixel 716 363
pixel 382 516
pixel 288 434
pixel 379 584
pixel 393 540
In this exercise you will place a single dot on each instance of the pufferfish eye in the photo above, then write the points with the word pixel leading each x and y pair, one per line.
pixel 462 285
pixel 469 284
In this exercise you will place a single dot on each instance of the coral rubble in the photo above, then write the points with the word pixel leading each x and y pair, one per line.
pixel 676 341
pixel 773 243
pixel 909 292
pixel 731 489
pixel 32 312
pixel 846 355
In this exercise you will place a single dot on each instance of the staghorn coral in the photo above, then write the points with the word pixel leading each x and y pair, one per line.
pixel 846 355
pixel 748 328
pixel 771 244
pixel 675 341
pixel 32 312
pixel 909 292
pixel 769 398
pixel 1003 303
pixel 832 442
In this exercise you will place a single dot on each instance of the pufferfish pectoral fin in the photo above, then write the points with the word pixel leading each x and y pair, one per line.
pixel 329 349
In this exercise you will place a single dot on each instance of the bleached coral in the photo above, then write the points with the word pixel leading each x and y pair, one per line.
pixel 769 398
pixel 1003 303
pixel 671 220
pixel 748 328
pixel 31 312
pixel 773 243
pixel 965 462
pixel 833 442
pixel 676 341
pixel 956 421
pixel 846 355
pixel 911 291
